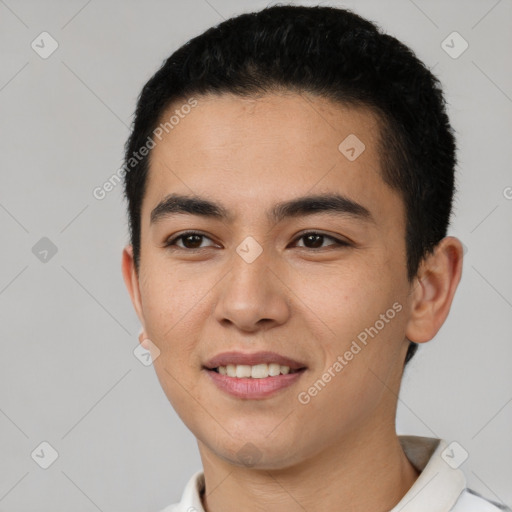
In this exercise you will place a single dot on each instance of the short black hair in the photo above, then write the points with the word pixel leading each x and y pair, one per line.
pixel 332 53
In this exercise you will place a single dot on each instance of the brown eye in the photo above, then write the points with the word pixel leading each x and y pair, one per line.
pixel 314 240
pixel 190 240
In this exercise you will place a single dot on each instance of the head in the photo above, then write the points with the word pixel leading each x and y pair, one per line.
pixel 266 108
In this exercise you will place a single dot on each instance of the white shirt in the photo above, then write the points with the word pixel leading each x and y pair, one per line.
pixel 439 487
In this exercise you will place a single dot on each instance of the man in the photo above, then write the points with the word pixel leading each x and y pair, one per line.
pixel 289 179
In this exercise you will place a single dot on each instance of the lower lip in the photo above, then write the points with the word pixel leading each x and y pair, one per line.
pixel 253 389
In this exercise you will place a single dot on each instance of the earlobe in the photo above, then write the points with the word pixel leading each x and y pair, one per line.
pixel 131 281
pixel 434 289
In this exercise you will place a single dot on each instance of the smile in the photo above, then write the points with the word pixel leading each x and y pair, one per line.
pixel 257 371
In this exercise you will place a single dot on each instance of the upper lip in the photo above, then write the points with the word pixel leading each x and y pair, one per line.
pixel 252 359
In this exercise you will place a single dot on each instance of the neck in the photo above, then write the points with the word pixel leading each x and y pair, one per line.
pixel 367 471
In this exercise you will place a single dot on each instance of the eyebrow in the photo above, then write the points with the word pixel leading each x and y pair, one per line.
pixel 335 204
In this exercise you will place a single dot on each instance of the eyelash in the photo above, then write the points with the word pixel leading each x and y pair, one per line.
pixel 171 242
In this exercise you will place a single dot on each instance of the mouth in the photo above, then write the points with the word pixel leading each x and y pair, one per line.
pixel 253 376
pixel 257 365
pixel 258 371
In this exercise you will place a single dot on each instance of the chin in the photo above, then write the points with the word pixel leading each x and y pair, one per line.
pixel 258 452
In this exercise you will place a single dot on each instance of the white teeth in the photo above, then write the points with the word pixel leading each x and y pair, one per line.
pixel 258 371
pixel 243 370
pixel 274 369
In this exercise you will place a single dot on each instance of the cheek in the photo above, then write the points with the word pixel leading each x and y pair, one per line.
pixel 171 305
pixel 356 312
pixel 174 308
pixel 341 300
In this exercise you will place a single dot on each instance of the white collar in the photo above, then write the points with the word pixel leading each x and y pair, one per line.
pixel 436 489
pixel 438 486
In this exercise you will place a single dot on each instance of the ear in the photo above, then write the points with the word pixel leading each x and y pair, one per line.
pixel 131 280
pixel 433 290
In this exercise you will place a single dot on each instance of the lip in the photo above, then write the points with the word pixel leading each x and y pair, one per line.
pixel 252 359
pixel 253 389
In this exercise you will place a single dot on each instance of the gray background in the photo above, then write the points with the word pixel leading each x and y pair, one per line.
pixel 68 372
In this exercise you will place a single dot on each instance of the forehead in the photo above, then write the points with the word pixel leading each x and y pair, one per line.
pixel 252 152
pixel 296 121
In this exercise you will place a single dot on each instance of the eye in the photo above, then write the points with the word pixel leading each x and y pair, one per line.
pixel 191 240
pixel 314 240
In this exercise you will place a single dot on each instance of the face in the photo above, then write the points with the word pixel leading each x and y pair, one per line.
pixel 323 283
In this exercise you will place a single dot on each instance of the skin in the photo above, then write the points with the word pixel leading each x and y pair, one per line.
pixel 308 304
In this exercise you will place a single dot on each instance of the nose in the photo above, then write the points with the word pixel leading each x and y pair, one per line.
pixel 253 296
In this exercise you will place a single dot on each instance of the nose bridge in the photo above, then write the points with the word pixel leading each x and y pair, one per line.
pixel 251 292
pixel 249 270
